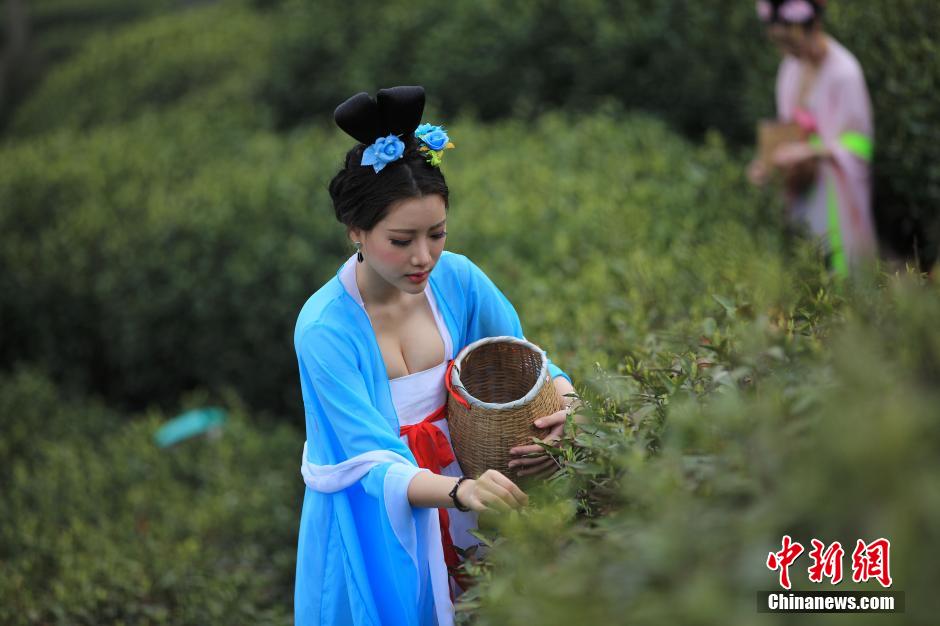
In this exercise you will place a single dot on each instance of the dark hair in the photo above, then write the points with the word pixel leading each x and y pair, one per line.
pixel 361 196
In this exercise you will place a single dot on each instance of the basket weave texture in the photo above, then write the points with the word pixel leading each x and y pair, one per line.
pixel 498 387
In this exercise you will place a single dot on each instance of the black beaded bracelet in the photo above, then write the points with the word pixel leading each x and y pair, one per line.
pixel 453 495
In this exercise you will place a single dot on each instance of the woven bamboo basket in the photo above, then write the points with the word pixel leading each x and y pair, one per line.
pixel 497 387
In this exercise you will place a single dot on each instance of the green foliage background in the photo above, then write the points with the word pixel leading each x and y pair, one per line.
pixel 163 216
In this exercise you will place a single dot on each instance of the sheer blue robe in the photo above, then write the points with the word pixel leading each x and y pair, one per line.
pixel 363 551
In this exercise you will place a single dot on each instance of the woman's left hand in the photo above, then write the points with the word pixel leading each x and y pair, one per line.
pixel 532 458
pixel 798 163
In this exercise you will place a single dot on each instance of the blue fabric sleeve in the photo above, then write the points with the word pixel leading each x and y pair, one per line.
pixel 372 519
pixel 492 314
pixel 347 419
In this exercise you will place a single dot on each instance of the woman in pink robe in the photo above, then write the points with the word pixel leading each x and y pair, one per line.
pixel 820 87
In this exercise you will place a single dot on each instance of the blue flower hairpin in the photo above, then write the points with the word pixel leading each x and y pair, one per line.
pixel 385 150
pixel 434 140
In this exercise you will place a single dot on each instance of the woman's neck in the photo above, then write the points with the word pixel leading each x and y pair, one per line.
pixel 375 290
pixel 817 49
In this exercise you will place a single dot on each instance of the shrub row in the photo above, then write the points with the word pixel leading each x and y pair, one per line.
pixel 168 254
pixel 813 418
pixel 212 58
pixel 50 31
pixel 174 252
pixel 690 62
pixel 103 527
pixel 817 421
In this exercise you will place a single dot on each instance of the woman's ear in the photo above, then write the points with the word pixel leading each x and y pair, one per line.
pixel 354 234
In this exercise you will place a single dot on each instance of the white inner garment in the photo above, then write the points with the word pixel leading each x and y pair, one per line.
pixel 417 395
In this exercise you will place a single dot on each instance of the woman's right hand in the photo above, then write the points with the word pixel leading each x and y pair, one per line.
pixel 491 491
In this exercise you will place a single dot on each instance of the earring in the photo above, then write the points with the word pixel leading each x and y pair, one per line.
pixel 358 245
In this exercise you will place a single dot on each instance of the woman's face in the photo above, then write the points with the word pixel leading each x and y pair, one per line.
pixel 792 39
pixel 405 245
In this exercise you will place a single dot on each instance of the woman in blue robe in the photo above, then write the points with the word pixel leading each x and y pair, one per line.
pixel 370 542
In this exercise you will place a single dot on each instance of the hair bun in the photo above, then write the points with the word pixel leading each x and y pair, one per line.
pixel 359 118
pixel 394 111
pixel 401 108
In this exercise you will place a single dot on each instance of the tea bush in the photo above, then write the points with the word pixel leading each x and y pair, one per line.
pixel 817 422
pixel 212 58
pixel 151 258
pixel 581 226
pixel 103 527
pixel 501 58
pixel 51 30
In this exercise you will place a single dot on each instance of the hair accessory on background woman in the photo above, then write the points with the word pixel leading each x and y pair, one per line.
pixel 435 141
pixel 789 11
pixel 765 11
pixel 796 11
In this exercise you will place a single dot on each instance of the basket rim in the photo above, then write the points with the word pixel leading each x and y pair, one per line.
pixel 540 381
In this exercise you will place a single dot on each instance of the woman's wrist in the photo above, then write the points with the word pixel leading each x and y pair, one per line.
pixel 461 485
pixel 432 491
pixel 570 399
pixel 572 403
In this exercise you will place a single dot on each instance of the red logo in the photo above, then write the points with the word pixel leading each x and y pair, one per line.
pixel 826 564
pixel 872 561
pixel 869 560
pixel 783 559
